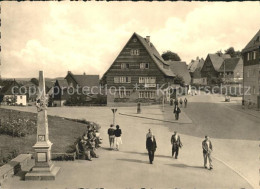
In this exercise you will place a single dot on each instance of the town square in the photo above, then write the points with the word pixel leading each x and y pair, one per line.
pixel 92 100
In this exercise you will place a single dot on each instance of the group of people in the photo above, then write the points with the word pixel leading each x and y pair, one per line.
pixel 89 142
pixel 176 144
pixel 177 109
pixel 114 136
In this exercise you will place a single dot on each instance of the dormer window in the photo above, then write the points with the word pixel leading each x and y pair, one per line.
pixel 134 52
pixel 125 66
pixel 144 65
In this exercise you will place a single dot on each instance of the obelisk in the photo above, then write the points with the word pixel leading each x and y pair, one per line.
pixel 44 168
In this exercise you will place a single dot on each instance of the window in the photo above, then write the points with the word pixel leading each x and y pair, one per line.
pixel 123 94
pixel 134 52
pixel 147 94
pixel 122 79
pixel 124 66
pixel 144 65
pixel 147 79
pixel 254 55
pixel 21 97
pixel 116 79
pixel 248 56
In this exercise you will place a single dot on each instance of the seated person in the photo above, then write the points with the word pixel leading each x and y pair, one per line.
pixel 85 149
pixel 91 144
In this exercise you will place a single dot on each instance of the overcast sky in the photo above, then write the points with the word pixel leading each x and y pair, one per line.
pixel 87 37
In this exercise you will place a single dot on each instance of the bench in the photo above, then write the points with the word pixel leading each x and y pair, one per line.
pixel 14 166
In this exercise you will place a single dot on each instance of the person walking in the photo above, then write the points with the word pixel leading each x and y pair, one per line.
pixel 176 103
pixel 177 111
pixel 207 150
pixel 151 145
pixel 181 101
pixel 111 136
pixel 185 102
pixel 176 144
pixel 118 139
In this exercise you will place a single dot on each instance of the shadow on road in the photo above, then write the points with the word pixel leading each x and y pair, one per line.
pixel 134 161
pixel 185 166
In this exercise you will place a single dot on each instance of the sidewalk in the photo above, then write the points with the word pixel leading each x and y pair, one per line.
pixel 238 107
pixel 130 165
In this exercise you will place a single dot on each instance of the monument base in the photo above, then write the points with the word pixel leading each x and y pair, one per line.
pixel 42 173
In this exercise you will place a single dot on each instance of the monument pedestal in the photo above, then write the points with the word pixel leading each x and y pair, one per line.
pixel 44 168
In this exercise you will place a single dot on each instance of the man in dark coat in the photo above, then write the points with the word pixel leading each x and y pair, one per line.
pixel 207 149
pixel 111 135
pixel 177 111
pixel 185 102
pixel 176 103
pixel 176 144
pixel 151 145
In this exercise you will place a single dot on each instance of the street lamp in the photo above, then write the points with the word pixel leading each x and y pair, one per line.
pixel 114 115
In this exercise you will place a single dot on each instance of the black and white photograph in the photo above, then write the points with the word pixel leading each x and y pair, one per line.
pixel 129 94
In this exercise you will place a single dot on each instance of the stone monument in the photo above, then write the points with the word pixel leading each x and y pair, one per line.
pixel 44 168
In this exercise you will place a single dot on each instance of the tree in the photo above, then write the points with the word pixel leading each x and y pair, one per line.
pixel 220 53
pixel 231 51
pixel 35 81
pixel 179 80
pixel 169 55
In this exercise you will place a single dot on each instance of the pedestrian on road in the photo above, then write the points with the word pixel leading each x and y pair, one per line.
pixel 207 149
pixel 181 102
pixel 176 144
pixel 151 145
pixel 176 103
pixel 111 135
pixel 185 102
pixel 177 111
pixel 118 139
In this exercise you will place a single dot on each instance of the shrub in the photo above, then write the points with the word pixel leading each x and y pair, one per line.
pixel 17 127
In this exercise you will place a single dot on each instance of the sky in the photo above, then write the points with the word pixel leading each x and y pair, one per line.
pixel 87 36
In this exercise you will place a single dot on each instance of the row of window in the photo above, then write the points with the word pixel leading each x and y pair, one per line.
pixel 147 79
pixel 147 94
pixel 122 79
pixel 142 94
pixel 252 72
pixel 142 66
pixel 127 79
pixel 251 55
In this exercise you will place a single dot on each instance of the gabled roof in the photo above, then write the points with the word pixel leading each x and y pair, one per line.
pixel 229 64
pixel 180 68
pixel 196 65
pixel 253 44
pixel 217 60
pixel 10 86
pixel 85 80
pixel 154 54
pixel 62 83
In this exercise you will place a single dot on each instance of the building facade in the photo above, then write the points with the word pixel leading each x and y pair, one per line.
pixel 137 73
pixel 231 71
pixel 76 90
pixel 212 64
pixel 251 81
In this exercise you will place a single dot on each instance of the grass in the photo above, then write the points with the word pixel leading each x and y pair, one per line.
pixel 62 133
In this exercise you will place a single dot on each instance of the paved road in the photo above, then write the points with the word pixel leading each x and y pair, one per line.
pixel 130 168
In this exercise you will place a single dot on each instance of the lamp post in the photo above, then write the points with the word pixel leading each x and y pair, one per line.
pixel 114 115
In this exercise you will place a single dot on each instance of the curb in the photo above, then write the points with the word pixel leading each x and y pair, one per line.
pixel 153 119
pixel 236 171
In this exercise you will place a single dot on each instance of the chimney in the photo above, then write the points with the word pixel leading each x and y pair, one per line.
pixel 84 73
pixel 148 40
pixel 198 58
